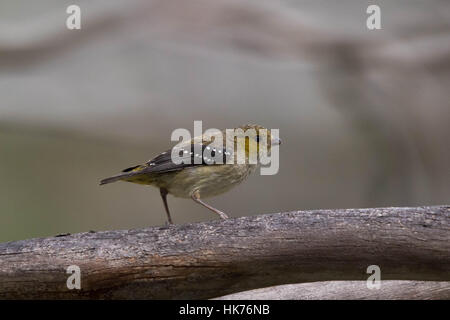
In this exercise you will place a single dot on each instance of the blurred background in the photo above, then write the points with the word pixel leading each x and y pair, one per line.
pixel 363 114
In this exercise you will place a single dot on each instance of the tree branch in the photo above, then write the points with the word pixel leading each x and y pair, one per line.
pixel 215 258
pixel 349 290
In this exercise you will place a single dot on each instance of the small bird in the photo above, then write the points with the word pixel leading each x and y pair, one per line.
pixel 200 176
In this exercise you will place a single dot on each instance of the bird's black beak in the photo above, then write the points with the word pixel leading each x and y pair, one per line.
pixel 276 141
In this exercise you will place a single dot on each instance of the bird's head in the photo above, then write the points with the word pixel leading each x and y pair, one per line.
pixel 254 137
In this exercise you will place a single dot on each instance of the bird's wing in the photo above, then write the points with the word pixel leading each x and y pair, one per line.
pixel 163 162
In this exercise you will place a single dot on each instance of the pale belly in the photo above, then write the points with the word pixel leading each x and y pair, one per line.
pixel 208 182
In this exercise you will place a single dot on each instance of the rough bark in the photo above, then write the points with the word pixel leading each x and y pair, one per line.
pixel 216 258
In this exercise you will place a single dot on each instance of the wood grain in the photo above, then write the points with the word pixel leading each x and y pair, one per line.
pixel 216 258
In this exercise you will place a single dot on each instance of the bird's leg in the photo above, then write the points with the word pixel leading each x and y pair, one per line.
pixel 196 197
pixel 164 198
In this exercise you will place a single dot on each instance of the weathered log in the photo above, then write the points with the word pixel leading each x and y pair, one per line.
pixel 349 290
pixel 215 258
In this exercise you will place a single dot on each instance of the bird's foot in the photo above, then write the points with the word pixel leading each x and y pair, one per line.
pixel 168 223
pixel 222 215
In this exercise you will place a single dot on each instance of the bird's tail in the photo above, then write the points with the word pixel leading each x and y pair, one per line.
pixel 127 173
pixel 113 178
